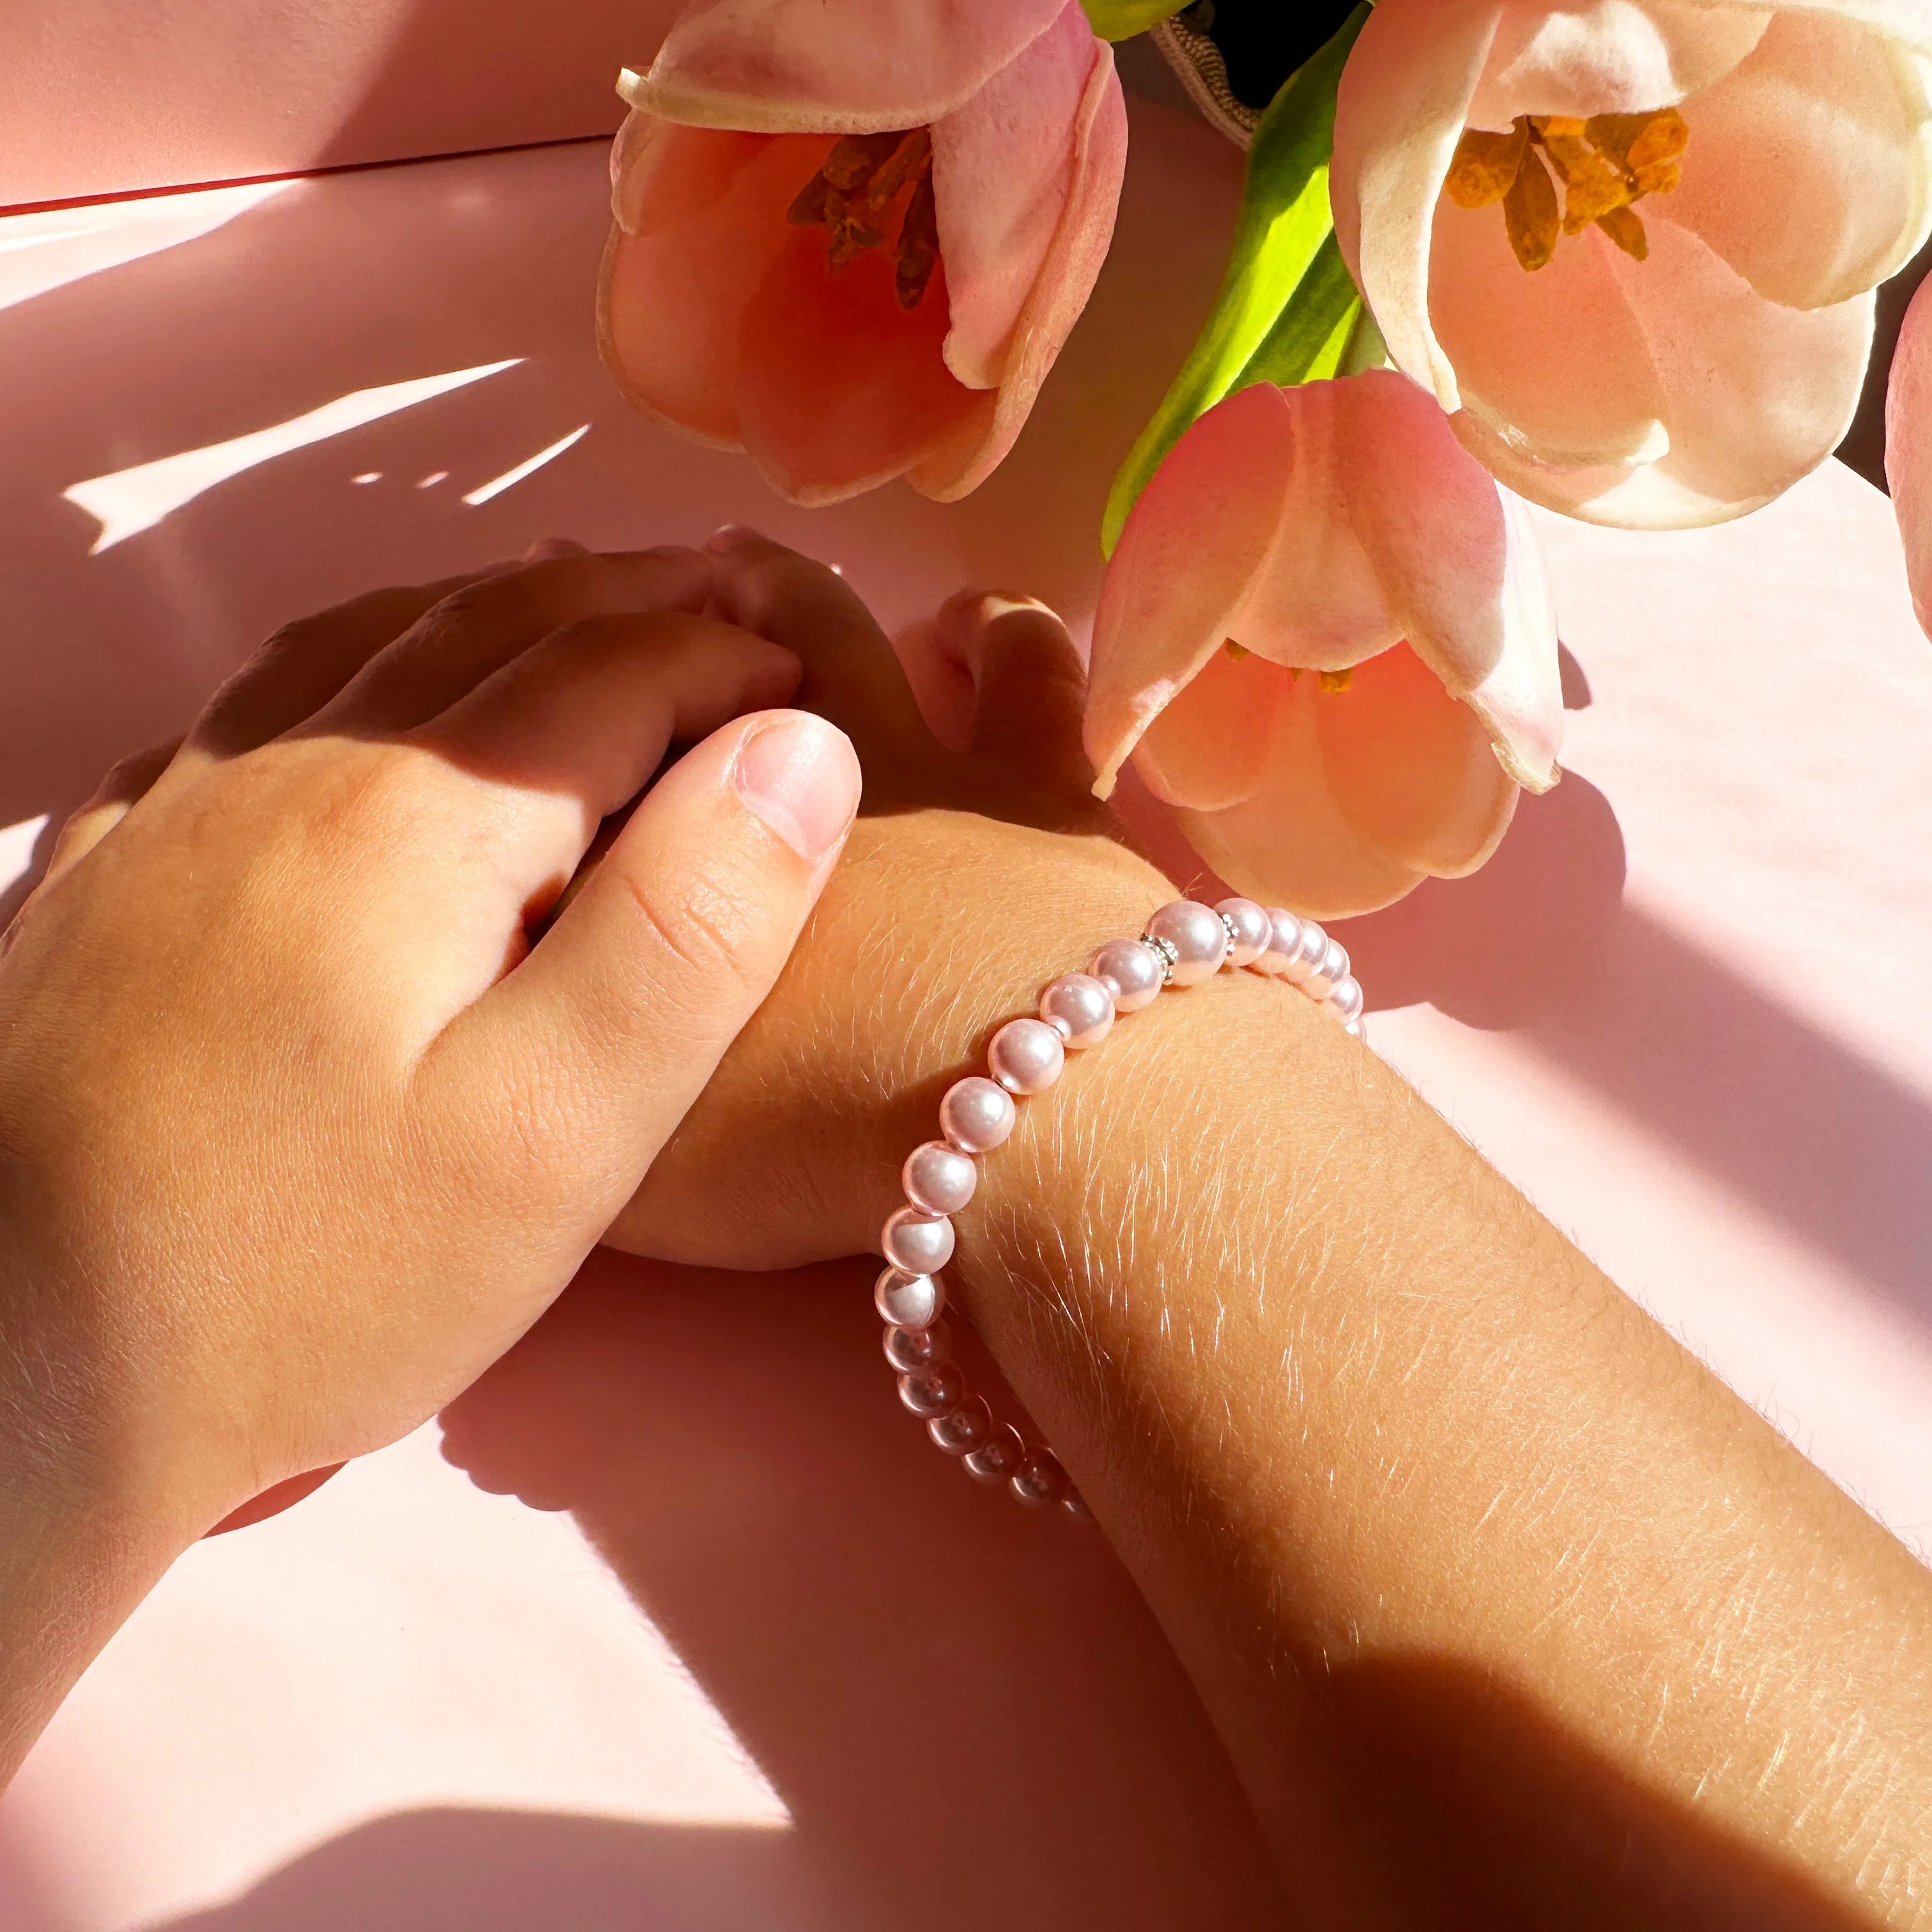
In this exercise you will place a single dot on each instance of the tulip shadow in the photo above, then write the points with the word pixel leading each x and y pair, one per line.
pixel 1541 943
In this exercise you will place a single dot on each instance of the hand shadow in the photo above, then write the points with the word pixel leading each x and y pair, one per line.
pixel 968 1710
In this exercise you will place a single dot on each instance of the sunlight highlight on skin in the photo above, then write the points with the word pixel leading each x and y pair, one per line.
pixel 16 849
pixel 129 501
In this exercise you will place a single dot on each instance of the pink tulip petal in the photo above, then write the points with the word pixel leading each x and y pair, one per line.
pixel 1908 447
pixel 1412 772
pixel 722 320
pixel 1554 361
pixel 1400 109
pixel 1289 843
pixel 1195 541
pixel 1065 279
pixel 1316 602
pixel 1460 567
pixel 1607 56
pixel 1002 169
pixel 833 66
pixel 1210 749
pixel 1755 394
pixel 693 208
pixel 839 389
pixel 1807 170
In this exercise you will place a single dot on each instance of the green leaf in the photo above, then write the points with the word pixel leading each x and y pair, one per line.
pixel 1285 239
pixel 1121 19
pixel 1312 336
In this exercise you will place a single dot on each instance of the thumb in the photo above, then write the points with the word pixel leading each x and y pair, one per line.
pixel 600 1041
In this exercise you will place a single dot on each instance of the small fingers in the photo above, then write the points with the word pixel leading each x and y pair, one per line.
pixel 305 663
pixel 1029 684
pixel 125 786
pixel 851 675
pixel 455 644
pixel 608 1031
pixel 579 722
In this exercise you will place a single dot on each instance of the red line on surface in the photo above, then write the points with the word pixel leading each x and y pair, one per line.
pixel 288 174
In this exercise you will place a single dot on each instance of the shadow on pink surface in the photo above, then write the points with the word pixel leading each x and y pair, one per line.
pixel 1541 943
pixel 1001 1669
pixel 464 1870
pixel 968 1710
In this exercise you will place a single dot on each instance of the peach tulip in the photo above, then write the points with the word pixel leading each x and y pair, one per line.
pixel 1908 447
pixel 1327 639
pixel 852 235
pixel 1631 245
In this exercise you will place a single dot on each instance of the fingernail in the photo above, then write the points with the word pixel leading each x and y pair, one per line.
pixel 729 536
pixel 801 776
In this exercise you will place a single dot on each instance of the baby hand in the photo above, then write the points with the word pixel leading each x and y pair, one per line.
pixel 301 1123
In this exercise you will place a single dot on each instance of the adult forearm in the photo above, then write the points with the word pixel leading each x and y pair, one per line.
pixel 1490 1584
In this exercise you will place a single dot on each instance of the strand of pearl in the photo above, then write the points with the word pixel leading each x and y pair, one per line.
pixel 1185 943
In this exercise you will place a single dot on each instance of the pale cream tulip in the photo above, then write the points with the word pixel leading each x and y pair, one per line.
pixel 1630 244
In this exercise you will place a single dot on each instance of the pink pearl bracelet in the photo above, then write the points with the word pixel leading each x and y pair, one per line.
pixel 1184 944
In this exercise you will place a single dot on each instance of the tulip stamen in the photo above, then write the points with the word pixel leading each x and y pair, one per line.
pixel 849 197
pixel 1330 681
pixel 1605 164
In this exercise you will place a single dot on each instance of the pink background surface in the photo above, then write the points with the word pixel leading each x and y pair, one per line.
pixel 778 1665
pixel 102 97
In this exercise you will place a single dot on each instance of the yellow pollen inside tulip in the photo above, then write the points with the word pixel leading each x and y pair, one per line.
pixel 849 196
pixel 1235 651
pixel 1604 164
pixel 1336 680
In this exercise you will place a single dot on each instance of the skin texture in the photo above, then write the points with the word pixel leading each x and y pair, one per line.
pixel 1507 1613
pixel 299 1131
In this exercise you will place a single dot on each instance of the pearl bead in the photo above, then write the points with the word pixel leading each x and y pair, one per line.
pixel 1130 971
pixel 1308 955
pixel 1354 1029
pixel 1073 1505
pixel 1253 931
pixel 938 1178
pixel 1199 939
pixel 934 1391
pixel 965 1429
pixel 908 1300
pixel 1040 1480
pixel 977 1115
pixel 1333 970
pixel 1345 1001
pixel 1080 1009
pixel 1285 944
pixel 918 1348
pixel 1026 1056
pixel 1003 1453
pixel 919 1243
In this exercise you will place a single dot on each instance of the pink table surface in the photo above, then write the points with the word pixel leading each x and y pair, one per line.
pixel 108 97
pixel 778 1665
